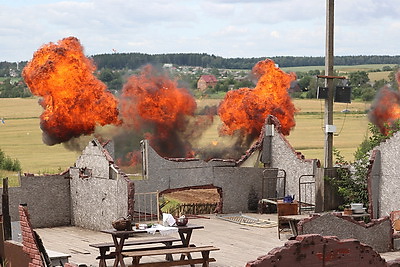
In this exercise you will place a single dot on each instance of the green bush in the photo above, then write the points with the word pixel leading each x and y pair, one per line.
pixel 352 181
pixel 9 164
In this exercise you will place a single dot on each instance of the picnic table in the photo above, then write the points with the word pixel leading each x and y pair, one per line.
pixel 185 232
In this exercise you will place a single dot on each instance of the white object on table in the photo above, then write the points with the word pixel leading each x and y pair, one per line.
pixel 168 219
pixel 164 230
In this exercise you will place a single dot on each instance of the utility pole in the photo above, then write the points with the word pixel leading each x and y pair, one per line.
pixel 328 117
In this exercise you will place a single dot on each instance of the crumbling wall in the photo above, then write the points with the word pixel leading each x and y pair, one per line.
pixel 315 250
pixel 87 196
pixel 385 194
pixel 378 234
pixel 47 197
pixel 236 181
pixel 60 200
pixel 95 202
pixel 29 241
pixel 93 161
pixel 284 157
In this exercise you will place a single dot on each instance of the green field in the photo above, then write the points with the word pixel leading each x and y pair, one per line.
pixel 343 70
pixel 20 136
pixel 308 135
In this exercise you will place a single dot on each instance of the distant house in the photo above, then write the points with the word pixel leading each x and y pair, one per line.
pixel 206 81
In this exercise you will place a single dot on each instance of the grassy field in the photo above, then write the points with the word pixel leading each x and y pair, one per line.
pixel 343 70
pixel 376 76
pixel 308 135
pixel 20 136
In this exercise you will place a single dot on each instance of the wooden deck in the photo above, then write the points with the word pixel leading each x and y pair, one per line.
pixel 238 243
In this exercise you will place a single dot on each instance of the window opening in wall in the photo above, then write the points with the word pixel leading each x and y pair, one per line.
pixel 85 172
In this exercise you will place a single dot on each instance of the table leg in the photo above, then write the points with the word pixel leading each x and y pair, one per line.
pixel 293 227
pixel 118 249
pixel 102 262
pixel 185 238
pixel 168 257
pixel 186 242
pixel 206 257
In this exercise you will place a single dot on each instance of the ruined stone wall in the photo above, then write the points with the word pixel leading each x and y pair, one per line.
pixel 377 234
pixel 94 160
pixel 47 198
pixel 236 182
pixel 284 157
pixel 387 191
pixel 56 200
pixel 95 202
pixel 90 199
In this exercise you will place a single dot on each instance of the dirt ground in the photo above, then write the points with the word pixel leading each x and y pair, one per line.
pixel 195 196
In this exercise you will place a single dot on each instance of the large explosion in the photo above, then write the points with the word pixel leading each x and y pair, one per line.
pixel 74 101
pixel 245 109
pixel 152 106
pixel 385 110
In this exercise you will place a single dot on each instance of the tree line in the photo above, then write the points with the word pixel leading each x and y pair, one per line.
pixel 114 68
pixel 136 60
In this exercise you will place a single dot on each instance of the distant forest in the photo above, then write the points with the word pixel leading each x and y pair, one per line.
pixel 136 60
pixel 133 61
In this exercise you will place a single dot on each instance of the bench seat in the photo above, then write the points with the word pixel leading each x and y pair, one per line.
pixel 105 247
pixel 138 242
pixel 111 255
pixel 205 259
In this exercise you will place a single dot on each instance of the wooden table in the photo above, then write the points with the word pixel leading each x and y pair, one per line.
pixel 119 237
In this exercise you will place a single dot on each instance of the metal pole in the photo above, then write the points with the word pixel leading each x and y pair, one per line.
pixel 328 117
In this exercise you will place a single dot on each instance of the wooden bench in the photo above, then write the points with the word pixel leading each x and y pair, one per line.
pixel 105 247
pixel 57 258
pixel 205 259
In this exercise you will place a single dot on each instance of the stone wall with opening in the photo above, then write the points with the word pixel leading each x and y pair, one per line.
pixel 236 179
pixel 90 195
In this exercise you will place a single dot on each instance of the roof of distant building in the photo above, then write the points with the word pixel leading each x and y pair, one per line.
pixel 209 78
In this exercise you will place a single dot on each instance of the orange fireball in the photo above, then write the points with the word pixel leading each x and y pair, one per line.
pixel 385 110
pixel 74 101
pixel 246 109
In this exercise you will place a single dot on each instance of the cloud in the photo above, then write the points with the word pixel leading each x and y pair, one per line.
pixel 229 28
pixel 275 34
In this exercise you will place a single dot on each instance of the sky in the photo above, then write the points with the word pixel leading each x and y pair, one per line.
pixel 227 28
